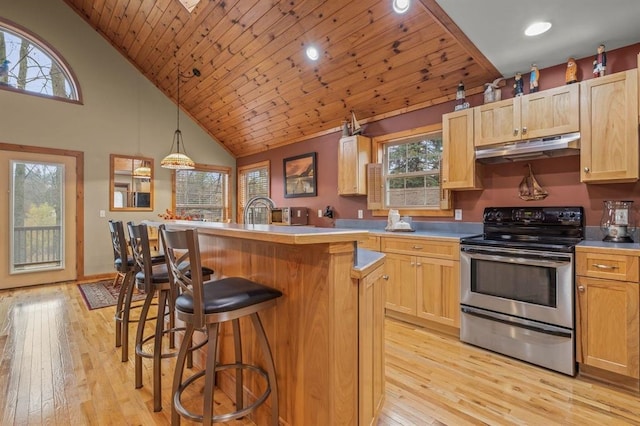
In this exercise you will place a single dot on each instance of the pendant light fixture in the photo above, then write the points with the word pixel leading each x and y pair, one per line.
pixel 179 160
pixel 143 171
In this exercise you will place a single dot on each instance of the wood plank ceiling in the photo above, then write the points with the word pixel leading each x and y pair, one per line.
pixel 258 90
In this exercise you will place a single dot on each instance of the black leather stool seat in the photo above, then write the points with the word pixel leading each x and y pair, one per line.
pixel 160 274
pixel 131 262
pixel 228 294
pixel 118 262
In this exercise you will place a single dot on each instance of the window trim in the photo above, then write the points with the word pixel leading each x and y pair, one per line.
pixel 206 168
pixel 49 50
pixel 377 155
pixel 242 170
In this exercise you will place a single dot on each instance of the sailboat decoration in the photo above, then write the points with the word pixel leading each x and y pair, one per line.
pixel 356 128
pixel 530 189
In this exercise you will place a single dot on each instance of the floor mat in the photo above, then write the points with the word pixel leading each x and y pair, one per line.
pixel 102 294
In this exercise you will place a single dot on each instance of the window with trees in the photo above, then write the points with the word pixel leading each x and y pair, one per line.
pixel 408 173
pixel 253 181
pixel 29 65
pixel 202 193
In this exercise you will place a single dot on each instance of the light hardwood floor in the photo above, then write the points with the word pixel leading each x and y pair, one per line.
pixel 59 366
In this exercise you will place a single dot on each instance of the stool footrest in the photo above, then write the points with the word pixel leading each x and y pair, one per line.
pixel 226 416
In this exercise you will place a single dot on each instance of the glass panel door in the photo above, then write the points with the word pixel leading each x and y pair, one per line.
pixel 37 216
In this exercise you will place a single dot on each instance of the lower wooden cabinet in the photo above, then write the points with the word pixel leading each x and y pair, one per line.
pixel 608 321
pixel 424 285
pixel 371 351
pixel 607 316
pixel 370 242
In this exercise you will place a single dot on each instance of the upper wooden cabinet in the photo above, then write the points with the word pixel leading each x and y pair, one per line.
pixel 547 113
pixel 459 169
pixel 609 128
pixel 354 152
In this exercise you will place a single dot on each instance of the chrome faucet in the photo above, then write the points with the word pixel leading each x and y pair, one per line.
pixel 267 202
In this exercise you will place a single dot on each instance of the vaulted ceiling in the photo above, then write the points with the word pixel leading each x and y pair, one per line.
pixel 257 89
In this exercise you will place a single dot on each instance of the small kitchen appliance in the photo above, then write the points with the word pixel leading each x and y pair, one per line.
pixel 617 223
pixel 289 216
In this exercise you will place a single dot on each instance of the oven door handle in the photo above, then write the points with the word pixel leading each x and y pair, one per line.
pixel 516 322
pixel 551 261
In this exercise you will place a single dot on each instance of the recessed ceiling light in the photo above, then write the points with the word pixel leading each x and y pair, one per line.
pixel 312 53
pixel 537 28
pixel 401 6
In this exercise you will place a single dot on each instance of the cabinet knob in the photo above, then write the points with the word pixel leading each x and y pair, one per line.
pixel 586 170
pixel 581 288
pixel 385 277
pixel 524 130
pixel 515 132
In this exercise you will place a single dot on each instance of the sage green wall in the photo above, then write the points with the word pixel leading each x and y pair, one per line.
pixel 122 113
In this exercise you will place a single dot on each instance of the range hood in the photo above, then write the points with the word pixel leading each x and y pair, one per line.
pixel 557 146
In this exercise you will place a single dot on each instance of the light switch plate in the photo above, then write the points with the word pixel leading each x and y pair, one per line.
pixel 458 214
pixel 360 215
pixel 102 213
pixel 319 213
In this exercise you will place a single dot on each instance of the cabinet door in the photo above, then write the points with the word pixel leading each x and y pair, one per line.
pixel 459 169
pixel 608 325
pixel 497 122
pixel 438 290
pixel 401 287
pixel 609 128
pixel 551 112
pixel 371 341
pixel 354 153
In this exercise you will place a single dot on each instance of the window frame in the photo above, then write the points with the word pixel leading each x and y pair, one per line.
pixel 206 168
pixel 44 46
pixel 241 173
pixel 378 144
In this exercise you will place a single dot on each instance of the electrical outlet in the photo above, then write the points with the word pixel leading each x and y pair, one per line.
pixel 360 215
pixel 458 214
pixel 319 212
pixel 103 213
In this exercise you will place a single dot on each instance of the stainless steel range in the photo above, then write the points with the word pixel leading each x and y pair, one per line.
pixel 517 284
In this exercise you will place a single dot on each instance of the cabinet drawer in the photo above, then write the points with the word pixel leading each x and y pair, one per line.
pixel 421 246
pixel 609 266
pixel 370 242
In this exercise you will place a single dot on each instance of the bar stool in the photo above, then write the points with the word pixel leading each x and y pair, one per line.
pixel 207 305
pixel 153 278
pixel 125 268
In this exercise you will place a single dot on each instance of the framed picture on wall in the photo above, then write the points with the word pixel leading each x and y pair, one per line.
pixel 300 176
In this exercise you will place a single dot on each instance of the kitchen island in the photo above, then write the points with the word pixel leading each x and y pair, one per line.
pixel 325 332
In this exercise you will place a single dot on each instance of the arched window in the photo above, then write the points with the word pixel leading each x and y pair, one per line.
pixel 29 65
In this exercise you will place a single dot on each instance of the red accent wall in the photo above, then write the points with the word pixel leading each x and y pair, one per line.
pixel 559 176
